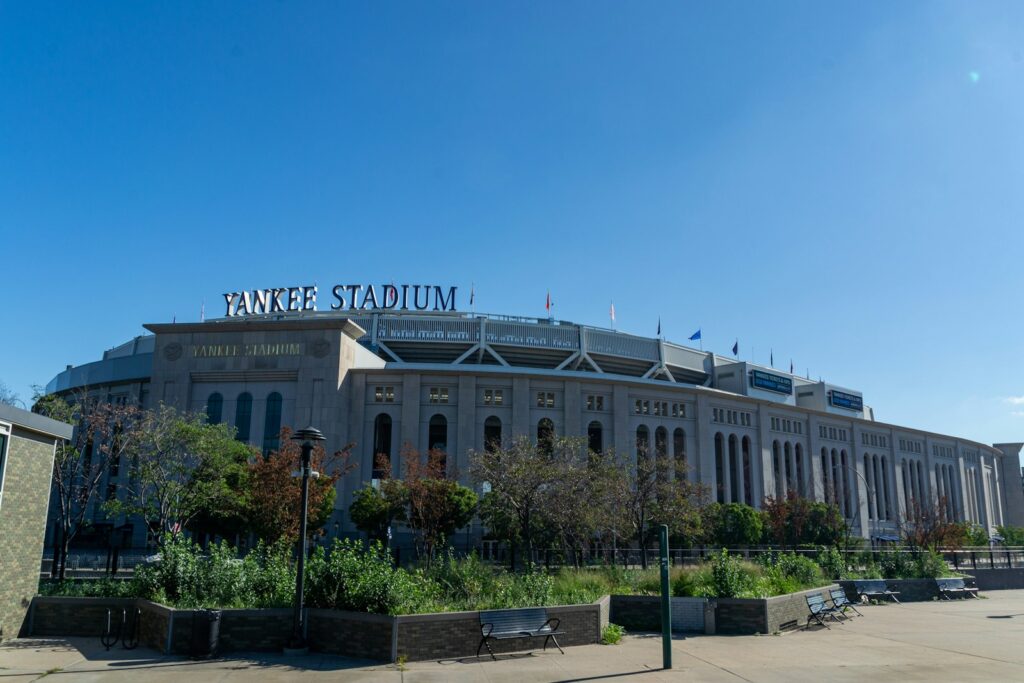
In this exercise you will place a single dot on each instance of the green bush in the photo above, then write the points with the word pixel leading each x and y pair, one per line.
pixel 728 580
pixel 352 578
pixel 930 565
pixel 832 563
pixel 896 564
pixel 88 588
pixel 612 634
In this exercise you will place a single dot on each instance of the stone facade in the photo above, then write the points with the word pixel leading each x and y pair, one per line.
pixel 27 443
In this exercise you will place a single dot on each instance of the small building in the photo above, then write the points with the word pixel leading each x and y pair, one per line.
pixel 28 443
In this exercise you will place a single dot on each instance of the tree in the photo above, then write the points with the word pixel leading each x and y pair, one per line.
pixel 437 505
pixel 927 525
pixel 180 467
pixel 649 496
pixel 520 478
pixel 79 464
pixel 1012 535
pixel 274 495
pixel 375 509
pixel 795 520
pixel 580 506
pixel 8 396
pixel 733 524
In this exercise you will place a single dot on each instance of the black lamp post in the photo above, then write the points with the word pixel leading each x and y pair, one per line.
pixel 307 436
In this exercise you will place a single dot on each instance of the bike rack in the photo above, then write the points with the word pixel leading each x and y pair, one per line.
pixel 127 630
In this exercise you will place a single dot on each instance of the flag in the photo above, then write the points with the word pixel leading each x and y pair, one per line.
pixel 547 304
pixel 736 348
pixel 659 325
pixel 791 366
pixel 611 312
pixel 695 336
pixel 472 293
pixel 771 357
pixel 202 312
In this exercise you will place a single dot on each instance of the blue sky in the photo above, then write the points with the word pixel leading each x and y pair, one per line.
pixel 838 182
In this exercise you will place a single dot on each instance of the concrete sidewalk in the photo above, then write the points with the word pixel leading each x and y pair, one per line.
pixel 964 640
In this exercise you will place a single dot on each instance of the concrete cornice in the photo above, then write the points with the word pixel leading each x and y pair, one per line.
pixel 350 328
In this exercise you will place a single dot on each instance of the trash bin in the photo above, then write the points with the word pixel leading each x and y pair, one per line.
pixel 205 633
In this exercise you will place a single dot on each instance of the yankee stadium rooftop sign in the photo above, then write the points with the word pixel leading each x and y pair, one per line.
pixel 346 297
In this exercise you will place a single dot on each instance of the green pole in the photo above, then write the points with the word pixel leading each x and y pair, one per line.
pixel 666 603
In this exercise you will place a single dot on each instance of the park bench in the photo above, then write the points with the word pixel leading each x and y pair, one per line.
pixel 819 610
pixel 529 622
pixel 875 589
pixel 948 587
pixel 841 602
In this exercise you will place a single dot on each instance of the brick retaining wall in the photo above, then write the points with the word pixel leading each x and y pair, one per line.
pixel 764 615
pixel 643 613
pixel 910 590
pixel 368 636
pixel 997 579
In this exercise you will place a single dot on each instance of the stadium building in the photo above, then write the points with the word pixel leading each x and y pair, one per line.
pixel 397 365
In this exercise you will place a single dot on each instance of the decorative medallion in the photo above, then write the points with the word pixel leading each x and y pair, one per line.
pixel 320 348
pixel 172 351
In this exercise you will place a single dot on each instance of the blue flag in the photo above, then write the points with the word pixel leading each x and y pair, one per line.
pixel 736 348
pixel 659 325
pixel 695 336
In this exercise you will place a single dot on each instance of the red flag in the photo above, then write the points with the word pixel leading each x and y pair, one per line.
pixel 547 305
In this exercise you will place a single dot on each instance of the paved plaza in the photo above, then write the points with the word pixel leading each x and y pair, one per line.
pixel 964 640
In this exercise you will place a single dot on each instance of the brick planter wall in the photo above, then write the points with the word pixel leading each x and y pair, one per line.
pixel 368 636
pixel 643 613
pixel 910 590
pixel 996 579
pixel 763 615
pixel 353 634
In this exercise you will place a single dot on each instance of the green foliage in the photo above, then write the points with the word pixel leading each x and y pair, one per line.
pixel 1012 535
pixel 795 521
pixel 374 509
pixel 612 634
pixel 732 524
pixel 728 580
pixel 88 588
pixel 974 535
pixel 352 578
pixel 186 576
pixel 832 563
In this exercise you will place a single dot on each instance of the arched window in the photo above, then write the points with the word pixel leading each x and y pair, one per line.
pixel 720 466
pixel 799 455
pixel 748 486
pixel 437 441
pixel 382 446
pixel 492 434
pixel 214 408
pixel 662 453
pixel 734 474
pixel 595 437
pixel 844 468
pixel 679 453
pixel 825 485
pixel 643 440
pixel 869 472
pixel 546 436
pixel 243 416
pixel 272 424
pixel 777 470
pixel 788 451
pixel 885 487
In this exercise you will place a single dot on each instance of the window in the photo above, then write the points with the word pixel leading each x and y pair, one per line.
pixel 243 416
pixel 214 408
pixel 438 394
pixel 272 424
pixel 642 441
pixel 679 453
pixel 493 397
pixel 595 402
pixel 111 491
pixel 545 436
pixel 595 437
pixel 437 438
pixel 115 464
pixel 492 434
pixel 3 455
pixel 382 446
pixel 384 394
pixel 545 399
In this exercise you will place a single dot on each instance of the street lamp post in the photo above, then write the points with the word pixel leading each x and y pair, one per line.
pixel 307 436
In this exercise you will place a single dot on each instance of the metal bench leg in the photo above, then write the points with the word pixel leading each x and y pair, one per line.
pixel 484 643
pixel 555 641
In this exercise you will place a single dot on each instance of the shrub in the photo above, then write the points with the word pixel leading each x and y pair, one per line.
pixel 351 578
pixel 930 565
pixel 895 564
pixel 727 576
pixel 832 563
pixel 612 634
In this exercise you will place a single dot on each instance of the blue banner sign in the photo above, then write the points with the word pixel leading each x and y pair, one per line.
pixel 840 399
pixel 770 382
